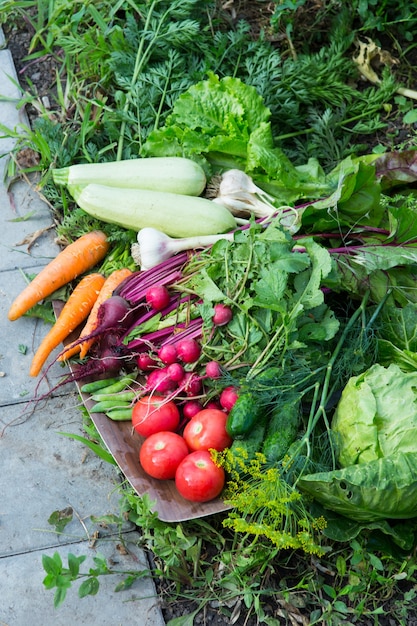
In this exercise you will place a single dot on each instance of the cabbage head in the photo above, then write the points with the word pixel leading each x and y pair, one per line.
pixel 376 415
pixel 375 430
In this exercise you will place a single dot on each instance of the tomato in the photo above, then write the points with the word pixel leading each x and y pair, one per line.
pixel 207 429
pixel 198 478
pixel 151 414
pixel 161 453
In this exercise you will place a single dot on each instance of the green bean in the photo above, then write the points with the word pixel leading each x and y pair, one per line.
pixel 106 405
pixel 122 396
pixel 119 385
pixel 120 415
pixel 95 385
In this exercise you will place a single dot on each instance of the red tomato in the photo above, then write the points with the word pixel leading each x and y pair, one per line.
pixel 207 429
pixel 161 453
pixel 198 478
pixel 151 414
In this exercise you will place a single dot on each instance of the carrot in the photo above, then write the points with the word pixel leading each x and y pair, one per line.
pixel 74 312
pixel 80 256
pixel 112 281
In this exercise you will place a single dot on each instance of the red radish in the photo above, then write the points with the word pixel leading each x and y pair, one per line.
pixel 158 297
pixel 145 362
pixel 213 404
pixel 176 372
pixel 228 397
pixel 168 354
pixel 158 380
pixel 213 369
pixel 188 350
pixel 192 384
pixel 191 408
pixel 222 314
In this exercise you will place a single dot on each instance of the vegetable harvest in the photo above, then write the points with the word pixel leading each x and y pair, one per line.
pixel 77 258
pixel 269 321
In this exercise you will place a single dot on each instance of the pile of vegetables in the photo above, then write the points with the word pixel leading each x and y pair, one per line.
pixel 278 298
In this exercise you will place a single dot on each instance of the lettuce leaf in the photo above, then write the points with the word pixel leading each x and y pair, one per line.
pixel 385 488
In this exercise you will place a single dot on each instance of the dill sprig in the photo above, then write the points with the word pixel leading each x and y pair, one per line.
pixel 266 506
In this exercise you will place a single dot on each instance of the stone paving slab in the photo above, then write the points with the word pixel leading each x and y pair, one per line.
pixel 49 472
pixel 25 601
pixel 25 216
pixel 18 343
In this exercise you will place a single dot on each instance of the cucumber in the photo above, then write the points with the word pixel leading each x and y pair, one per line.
pixel 244 414
pixel 248 446
pixel 282 429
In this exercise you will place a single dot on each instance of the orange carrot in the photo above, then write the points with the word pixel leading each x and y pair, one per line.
pixel 112 281
pixel 80 256
pixel 74 312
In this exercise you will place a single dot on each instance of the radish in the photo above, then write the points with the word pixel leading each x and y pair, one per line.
pixel 145 362
pixel 222 314
pixel 158 380
pixel 192 384
pixel 157 297
pixel 213 404
pixel 188 350
pixel 176 372
pixel 213 369
pixel 228 397
pixel 168 354
pixel 191 408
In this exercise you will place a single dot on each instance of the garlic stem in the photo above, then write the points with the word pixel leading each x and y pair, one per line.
pixel 153 246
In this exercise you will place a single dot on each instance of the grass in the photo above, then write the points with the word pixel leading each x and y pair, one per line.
pixel 119 68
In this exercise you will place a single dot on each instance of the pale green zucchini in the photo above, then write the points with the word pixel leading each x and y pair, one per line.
pixel 173 174
pixel 174 214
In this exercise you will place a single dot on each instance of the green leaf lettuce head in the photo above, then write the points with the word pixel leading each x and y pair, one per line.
pixel 225 124
pixel 375 430
pixel 376 415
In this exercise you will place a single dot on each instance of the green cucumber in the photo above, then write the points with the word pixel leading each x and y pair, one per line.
pixel 282 430
pixel 244 414
pixel 247 447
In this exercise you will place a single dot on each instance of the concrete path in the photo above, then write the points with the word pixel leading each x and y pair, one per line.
pixel 41 471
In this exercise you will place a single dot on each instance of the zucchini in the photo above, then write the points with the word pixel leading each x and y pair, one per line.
pixel 174 214
pixel 282 430
pixel 173 174
pixel 243 415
